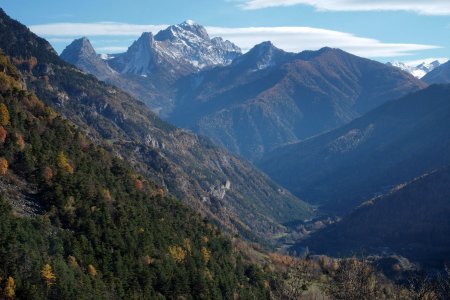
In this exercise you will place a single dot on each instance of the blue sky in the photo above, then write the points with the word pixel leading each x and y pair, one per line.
pixel 380 29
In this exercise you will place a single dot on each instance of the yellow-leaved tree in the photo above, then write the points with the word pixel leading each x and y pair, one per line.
pixel 47 275
pixel 206 254
pixel 63 163
pixel 177 253
pixel 10 288
pixel 92 270
pixel 4 115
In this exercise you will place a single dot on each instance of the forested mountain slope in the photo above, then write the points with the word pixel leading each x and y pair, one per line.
pixel 412 220
pixel 228 190
pixel 392 144
pixel 78 223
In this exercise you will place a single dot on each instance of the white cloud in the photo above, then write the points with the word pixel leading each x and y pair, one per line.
pixel 93 29
pixel 293 39
pixel 414 63
pixel 111 49
pixel 426 7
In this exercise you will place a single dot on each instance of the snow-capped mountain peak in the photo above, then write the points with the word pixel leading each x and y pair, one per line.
pixel 184 48
pixel 419 68
pixel 189 22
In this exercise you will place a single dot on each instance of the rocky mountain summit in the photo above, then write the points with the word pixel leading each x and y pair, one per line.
pixel 81 53
pixel 180 49
pixel 153 63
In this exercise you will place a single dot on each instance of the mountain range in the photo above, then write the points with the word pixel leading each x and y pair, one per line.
pixel 267 97
pixel 392 144
pixel 228 190
pixel 251 103
pixel 329 127
pixel 153 63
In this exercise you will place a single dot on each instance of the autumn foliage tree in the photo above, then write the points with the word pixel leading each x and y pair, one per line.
pixel 177 253
pixel 47 275
pixel 355 279
pixel 3 166
pixel 10 288
pixel 92 270
pixel 4 115
pixel 206 254
pixel 63 163
pixel 3 134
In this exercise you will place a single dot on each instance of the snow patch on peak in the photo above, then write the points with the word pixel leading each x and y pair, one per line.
pixel 189 22
pixel 419 68
pixel 184 46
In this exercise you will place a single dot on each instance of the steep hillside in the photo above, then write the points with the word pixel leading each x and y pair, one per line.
pixel 78 223
pixel 226 189
pixel 267 97
pixel 412 220
pixel 392 144
pixel 439 75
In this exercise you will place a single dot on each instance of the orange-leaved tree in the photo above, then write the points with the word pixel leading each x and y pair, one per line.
pixel 3 134
pixel 3 166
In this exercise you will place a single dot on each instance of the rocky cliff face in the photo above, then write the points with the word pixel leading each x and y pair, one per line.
pixel 81 53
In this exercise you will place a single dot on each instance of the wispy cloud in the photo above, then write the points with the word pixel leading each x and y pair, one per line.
pixel 426 7
pixel 93 29
pixel 292 39
pixel 414 63
pixel 111 49
pixel 296 39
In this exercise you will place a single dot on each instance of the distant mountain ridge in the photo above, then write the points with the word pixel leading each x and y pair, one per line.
pixel 392 144
pixel 419 69
pixel 267 97
pixel 152 64
pixel 248 103
pixel 439 75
